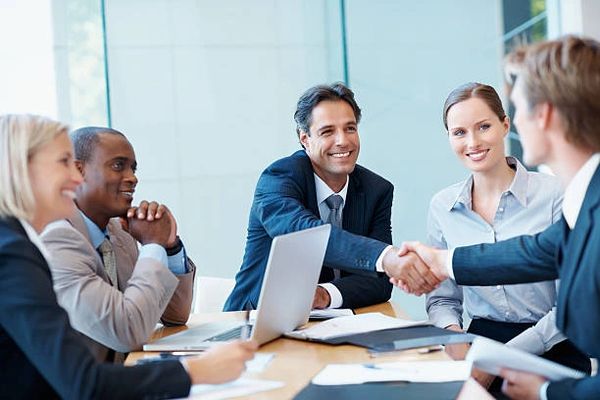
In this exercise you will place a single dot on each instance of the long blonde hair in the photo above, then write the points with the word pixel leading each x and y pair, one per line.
pixel 21 136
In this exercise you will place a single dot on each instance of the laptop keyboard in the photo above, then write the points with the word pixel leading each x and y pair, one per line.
pixel 231 334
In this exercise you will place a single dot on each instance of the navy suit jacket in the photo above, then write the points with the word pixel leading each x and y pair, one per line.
pixel 285 201
pixel 41 356
pixel 573 256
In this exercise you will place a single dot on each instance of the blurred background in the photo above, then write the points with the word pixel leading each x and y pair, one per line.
pixel 206 90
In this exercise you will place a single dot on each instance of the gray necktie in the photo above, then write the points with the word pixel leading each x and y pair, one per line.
pixel 334 202
pixel 109 261
pixel 110 267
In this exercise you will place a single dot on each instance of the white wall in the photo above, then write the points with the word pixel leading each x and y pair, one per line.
pixel 206 92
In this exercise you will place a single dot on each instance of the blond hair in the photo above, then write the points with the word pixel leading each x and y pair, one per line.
pixel 566 74
pixel 21 136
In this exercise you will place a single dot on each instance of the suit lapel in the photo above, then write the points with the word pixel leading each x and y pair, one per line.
pixel 354 209
pixel 575 242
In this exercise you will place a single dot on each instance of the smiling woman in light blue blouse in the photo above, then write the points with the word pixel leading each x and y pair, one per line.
pixel 499 200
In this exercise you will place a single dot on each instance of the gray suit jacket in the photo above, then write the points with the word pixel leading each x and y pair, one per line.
pixel 122 319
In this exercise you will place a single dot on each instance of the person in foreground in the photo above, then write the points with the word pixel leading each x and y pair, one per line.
pixel 323 184
pixel 500 199
pixel 555 93
pixel 41 356
pixel 113 292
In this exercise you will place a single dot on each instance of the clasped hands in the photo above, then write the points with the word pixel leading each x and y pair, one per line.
pixel 415 267
pixel 146 223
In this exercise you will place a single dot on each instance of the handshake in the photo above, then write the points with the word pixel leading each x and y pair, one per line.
pixel 415 267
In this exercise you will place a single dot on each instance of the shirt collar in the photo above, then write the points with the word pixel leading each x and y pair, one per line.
pixel 518 187
pixel 324 191
pixel 35 238
pixel 576 189
pixel 97 235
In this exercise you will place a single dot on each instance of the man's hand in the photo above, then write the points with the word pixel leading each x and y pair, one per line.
pixel 483 378
pixel 152 211
pixel 407 271
pixel 157 231
pixel 434 259
pixel 457 351
pixel 321 299
pixel 221 363
pixel 521 385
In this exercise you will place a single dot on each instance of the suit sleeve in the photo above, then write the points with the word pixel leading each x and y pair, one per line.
pixel 179 307
pixel 524 259
pixel 361 290
pixel 279 209
pixel 119 320
pixel 586 388
pixel 40 328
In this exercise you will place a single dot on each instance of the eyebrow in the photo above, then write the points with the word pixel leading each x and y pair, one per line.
pixel 476 123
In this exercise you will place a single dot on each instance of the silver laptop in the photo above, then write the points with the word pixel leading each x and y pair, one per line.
pixel 286 296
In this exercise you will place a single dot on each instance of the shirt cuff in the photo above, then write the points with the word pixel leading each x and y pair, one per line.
pixel 529 340
pixel 379 262
pixel 543 390
pixel 177 264
pixel 154 251
pixel 335 295
pixel 449 265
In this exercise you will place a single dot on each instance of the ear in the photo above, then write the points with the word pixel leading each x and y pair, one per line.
pixel 506 125
pixel 304 139
pixel 544 113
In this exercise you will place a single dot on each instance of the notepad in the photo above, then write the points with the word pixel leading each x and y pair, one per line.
pixel 409 371
pixel 351 325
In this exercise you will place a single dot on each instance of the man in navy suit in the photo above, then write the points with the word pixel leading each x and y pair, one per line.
pixel 322 184
pixel 558 117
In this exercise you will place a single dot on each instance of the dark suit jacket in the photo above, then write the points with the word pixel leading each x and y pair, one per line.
pixel 574 257
pixel 285 201
pixel 41 356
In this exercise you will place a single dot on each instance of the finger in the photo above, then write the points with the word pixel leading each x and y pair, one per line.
pixel 428 276
pixel 131 212
pixel 142 210
pixel 403 250
pixel 415 281
pixel 410 245
pixel 160 211
pixel 152 207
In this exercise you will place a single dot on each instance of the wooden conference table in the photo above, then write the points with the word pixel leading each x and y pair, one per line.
pixel 297 362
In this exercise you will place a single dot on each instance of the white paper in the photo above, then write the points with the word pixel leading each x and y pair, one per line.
pixel 410 371
pixel 344 326
pixel 259 362
pixel 331 313
pixel 490 356
pixel 239 387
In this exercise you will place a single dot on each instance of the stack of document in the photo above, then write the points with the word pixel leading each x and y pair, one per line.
pixel 490 356
pixel 351 325
pixel 409 371
pixel 239 387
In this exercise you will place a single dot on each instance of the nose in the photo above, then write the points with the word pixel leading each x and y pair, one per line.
pixel 472 140
pixel 340 138
pixel 131 177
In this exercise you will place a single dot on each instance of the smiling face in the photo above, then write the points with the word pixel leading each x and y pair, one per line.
pixel 53 178
pixel 333 143
pixel 109 179
pixel 477 135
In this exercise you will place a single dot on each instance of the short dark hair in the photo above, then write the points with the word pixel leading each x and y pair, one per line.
pixel 86 138
pixel 486 93
pixel 316 94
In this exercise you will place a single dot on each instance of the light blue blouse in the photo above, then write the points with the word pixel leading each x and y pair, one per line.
pixel 531 204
